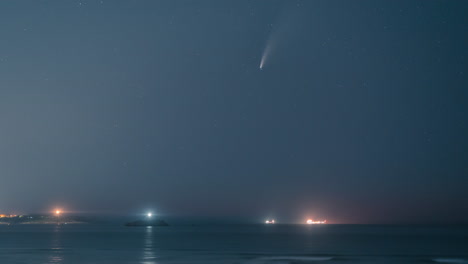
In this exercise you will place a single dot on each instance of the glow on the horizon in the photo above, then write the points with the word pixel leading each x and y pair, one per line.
pixel 270 221
pixel 57 212
pixel 312 222
pixel 149 214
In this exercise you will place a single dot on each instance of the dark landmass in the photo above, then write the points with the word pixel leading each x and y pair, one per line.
pixel 43 219
pixel 147 222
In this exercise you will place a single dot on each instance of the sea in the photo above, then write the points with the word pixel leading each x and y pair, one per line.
pixel 251 244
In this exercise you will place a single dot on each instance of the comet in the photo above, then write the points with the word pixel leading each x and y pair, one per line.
pixel 265 54
pixel 281 32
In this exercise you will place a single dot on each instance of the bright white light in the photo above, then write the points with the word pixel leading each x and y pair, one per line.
pixel 57 212
pixel 270 221
pixel 149 214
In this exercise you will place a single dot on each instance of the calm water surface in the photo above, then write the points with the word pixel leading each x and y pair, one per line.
pixel 234 244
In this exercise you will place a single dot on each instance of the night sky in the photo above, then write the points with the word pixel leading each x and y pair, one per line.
pixel 359 115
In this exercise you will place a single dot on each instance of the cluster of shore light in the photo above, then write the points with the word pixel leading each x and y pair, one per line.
pixel 7 215
pixel 309 222
pixel 57 212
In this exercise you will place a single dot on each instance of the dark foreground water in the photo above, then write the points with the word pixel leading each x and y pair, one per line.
pixel 234 244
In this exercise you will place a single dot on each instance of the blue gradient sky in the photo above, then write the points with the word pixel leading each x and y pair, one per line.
pixel 358 116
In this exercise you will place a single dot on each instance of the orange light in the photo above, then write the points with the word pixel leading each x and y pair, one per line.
pixel 57 212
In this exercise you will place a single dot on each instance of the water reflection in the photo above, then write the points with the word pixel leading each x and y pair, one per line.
pixel 149 257
pixel 56 249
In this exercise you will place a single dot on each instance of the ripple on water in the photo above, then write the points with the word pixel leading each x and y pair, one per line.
pixel 450 260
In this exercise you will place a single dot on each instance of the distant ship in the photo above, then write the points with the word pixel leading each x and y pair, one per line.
pixel 312 222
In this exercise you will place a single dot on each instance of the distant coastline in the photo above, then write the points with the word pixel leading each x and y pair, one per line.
pixel 42 220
